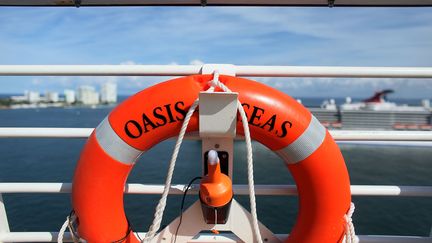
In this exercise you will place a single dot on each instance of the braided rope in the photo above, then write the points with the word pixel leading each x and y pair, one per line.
pixel 217 83
pixel 162 202
pixel 63 230
pixel 350 236
pixel 68 225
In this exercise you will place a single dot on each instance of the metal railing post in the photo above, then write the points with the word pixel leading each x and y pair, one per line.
pixel 4 224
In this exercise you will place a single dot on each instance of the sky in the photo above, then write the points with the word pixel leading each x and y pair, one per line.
pixel 236 35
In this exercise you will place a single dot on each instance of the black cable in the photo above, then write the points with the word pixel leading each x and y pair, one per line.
pixel 133 230
pixel 71 226
pixel 182 205
pixel 129 230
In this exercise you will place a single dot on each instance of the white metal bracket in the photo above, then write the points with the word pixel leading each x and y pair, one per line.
pixel 238 228
pixel 217 114
pixel 217 126
pixel 220 110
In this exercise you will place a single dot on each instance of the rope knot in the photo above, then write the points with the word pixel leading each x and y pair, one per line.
pixel 215 81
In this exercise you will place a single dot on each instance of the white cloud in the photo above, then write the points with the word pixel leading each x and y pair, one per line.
pixel 354 87
pixel 128 63
pixel 196 62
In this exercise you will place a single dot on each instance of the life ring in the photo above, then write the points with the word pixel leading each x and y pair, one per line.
pixel 156 113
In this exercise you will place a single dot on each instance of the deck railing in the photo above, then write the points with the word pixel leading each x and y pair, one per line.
pixel 243 71
pixel 417 138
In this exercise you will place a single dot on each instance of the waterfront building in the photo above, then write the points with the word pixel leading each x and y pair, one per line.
pixel 32 96
pixel 19 98
pixel 87 95
pixel 52 97
pixel 109 93
pixel 69 96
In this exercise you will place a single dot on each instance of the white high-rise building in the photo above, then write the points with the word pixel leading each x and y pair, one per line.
pixel 69 96
pixel 109 93
pixel 87 95
pixel 32 96
pixel 52 97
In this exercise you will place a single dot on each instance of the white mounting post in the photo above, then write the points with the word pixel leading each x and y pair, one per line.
pixel 218 117
pixel 4 224
pixel 217 125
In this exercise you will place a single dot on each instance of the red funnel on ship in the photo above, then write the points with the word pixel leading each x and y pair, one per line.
pixel 379 97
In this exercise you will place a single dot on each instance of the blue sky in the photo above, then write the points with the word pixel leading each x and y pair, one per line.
pixel 243 36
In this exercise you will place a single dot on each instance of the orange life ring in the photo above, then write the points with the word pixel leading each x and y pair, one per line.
pixel 156 113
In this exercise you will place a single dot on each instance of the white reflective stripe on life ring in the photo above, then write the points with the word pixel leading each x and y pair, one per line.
pixel 305 145
pixel 114 146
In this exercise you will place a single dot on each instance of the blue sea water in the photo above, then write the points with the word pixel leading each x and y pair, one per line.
pixel 53 160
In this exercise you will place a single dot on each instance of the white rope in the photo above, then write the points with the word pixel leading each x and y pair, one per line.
pixel 63 230
pixel 350 236
pixel 216 83
pixel 67 224
pixel 162 202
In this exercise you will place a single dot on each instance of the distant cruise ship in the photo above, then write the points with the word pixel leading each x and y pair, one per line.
pixel 374 113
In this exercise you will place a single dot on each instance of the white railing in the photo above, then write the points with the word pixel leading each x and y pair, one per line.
pixel 386 137
pixel 245 71
pixel 339 135
pixel 275 190
pixel 262 190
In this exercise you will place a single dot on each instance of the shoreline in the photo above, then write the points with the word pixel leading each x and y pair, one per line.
pixel 53 105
